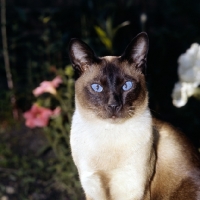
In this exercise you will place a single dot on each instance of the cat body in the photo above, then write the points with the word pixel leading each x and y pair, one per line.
pixel 110 157
pixel 120 151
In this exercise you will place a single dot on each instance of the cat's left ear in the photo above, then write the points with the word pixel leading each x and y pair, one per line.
pixel 81 55
pixel 136 51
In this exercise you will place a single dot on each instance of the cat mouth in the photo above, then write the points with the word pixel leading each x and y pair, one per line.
pixel 116 119
pixel 113 111
pixel 120 115
pixel 114 116
pixel 110 116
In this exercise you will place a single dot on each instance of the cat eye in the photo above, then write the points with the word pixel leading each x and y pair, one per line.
pixel 97 87
pixel 127 86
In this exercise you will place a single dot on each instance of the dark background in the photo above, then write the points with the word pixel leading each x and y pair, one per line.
pixel 38 34
pixel 34 46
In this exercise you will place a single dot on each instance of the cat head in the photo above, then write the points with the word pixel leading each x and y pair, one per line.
pixel 110 87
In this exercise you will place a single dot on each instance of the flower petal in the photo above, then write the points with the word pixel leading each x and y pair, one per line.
pixel 57 81
pixel 37 116
pixel 56 111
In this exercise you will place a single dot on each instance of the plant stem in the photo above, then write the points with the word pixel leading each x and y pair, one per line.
pixel 6 57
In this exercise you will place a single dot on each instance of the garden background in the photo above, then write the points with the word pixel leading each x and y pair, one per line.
pixel 32 166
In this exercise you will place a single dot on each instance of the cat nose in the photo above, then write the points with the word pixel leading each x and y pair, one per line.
pixel 114 107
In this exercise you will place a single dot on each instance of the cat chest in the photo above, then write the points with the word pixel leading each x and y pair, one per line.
pixel 108 154
pixel 108 158
pixel 99 152
pixel 106 148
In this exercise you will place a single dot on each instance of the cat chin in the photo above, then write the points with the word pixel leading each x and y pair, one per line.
pixel 118 117
pixel 116 120
pixel 113 119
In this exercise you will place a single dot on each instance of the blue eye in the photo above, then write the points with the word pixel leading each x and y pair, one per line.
pixel 97 87
pixel 127 86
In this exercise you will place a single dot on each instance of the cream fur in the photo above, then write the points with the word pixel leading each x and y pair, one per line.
pixel 122 151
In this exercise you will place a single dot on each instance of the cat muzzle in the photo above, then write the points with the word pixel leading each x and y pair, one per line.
pixel 114 109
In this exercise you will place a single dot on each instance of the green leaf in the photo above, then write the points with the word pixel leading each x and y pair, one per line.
pixel 109 28
pixel 103 37
pixel 46 19
pixel 126 23
pixel 69 71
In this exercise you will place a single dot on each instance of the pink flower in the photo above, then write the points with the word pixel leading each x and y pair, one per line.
pixel 57 111
pixel 56 81
pixel 48 86
pixel 39 116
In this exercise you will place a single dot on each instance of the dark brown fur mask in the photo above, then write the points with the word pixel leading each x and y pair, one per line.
pixel 111 87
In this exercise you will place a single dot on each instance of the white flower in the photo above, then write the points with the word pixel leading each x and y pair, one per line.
pixel 189 75
pixel 189 65
pixel 181 92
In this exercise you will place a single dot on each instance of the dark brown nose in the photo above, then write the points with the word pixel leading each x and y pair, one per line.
pixel 114 103
pixel 114 107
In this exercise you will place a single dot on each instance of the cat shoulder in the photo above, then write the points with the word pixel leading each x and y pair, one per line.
pixel 173 145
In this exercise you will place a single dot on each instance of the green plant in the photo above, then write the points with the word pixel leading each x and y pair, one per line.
pixel 57 125
pixel 107 34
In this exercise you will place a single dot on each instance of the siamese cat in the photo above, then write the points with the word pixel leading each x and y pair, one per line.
pixel 120 150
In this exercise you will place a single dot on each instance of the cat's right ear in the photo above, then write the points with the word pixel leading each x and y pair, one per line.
pixel 81 55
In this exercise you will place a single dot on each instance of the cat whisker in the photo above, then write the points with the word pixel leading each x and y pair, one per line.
pixel 130 114
pixel 92 108
pixel 131 111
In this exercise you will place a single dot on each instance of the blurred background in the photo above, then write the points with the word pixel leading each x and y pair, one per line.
pixel 37 36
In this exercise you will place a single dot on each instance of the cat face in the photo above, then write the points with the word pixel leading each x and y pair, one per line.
pixel 110 87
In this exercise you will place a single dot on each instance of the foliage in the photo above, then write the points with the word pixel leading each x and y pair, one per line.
pixel 58 128
pixel 26 174
pixel 107 36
